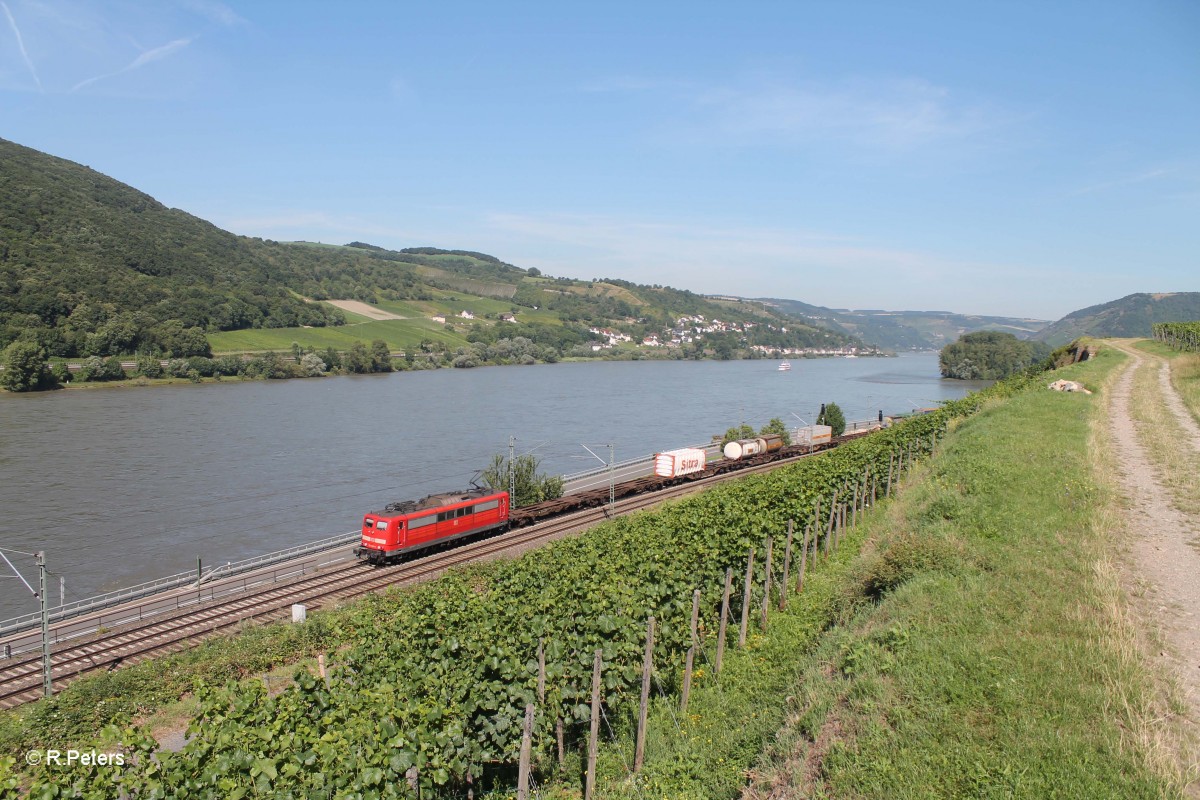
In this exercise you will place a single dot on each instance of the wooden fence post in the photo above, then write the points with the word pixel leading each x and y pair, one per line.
pixel 594 736
pixel 787 566
pixel 526 750
pixel 639 753
pixel 691 653
pixel 542 671
pixel 724 618
pixel 746 599
pixel 803 561
pixel 766 602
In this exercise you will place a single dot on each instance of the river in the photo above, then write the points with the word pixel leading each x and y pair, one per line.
pixel 121 485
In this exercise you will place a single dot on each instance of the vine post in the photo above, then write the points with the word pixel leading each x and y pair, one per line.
pixel 746 599
pixel 766 602
pixel 724 618
pixel 787 566
pixel 803 561
pixel 594 735
pixel 639 753
pixel 526 750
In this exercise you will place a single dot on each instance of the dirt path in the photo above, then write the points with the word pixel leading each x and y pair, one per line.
pixel 365 309
pixel 1164 542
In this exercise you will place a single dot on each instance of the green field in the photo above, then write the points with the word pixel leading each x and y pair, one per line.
pixel 400 334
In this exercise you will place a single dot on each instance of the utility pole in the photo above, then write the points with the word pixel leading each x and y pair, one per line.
pixel 47 684
pixel 512 473
pixel 612 486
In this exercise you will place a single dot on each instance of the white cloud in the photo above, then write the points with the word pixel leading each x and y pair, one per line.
pixel 815 267
pixel 215 11
pixel 148 57
pixel 21 46
pixel 877 113
pixel 312 225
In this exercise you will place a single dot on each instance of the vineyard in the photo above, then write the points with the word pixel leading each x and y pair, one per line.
pixel 1183 336
pixel 493 673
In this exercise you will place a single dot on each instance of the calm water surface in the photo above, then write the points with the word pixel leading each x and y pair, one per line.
pixel 124 485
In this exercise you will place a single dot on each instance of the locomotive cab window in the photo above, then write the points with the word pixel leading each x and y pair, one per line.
pixel 462 512
pixel 381 524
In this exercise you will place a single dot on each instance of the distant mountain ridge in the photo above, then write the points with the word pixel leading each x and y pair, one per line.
pixel 907 330
pixel 1131 316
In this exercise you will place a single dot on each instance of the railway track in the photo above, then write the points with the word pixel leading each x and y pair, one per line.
pixel 21 680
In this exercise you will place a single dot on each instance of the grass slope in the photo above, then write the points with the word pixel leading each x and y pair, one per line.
pixel 998 660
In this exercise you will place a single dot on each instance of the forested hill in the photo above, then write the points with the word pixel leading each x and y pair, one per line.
pixel 1131 316
pixel 84 255
pixel 91 266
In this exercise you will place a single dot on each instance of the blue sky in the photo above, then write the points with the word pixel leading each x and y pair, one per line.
pixel 984 157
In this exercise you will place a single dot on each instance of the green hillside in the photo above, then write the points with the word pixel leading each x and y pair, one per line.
pixel 907 330
pixel 1131 316
pixel 91 266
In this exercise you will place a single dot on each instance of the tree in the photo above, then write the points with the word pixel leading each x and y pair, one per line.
pixel 776 426
pixel 25 368
pixel 831 415
pixel 312 365
pixel 531 486
pixel 741 432
pixel 989 355
pixel 381 356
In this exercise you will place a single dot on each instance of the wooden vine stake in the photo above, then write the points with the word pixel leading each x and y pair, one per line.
pixel 724 618
pixel 594 735
pixel 526 751
pixel 854 507
pixel 787 566
pixel 832 518
pixel 691 653
pixel 803 561
pixel 542 671
pixel 639 753
pixel 766 602
pixel 746 599
pixel 891 466
pixel 816 527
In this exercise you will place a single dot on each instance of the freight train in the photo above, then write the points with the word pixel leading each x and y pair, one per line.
pixel 414 525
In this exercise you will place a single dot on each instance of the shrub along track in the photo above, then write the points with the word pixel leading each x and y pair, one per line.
pixel 21 681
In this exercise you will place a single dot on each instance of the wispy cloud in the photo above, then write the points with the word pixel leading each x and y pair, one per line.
pixel 319 225
pixel 148 57
pixel 21 46
pixel 1129 180
pixel 828 269
pixel 215 11
pixel 892 114
pixel 876 113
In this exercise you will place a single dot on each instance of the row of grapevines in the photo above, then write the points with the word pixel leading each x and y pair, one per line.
pixel 1179 335
pixel 437 678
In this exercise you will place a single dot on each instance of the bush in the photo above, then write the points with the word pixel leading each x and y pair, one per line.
pixel 149 366
pixel 311 365
pixel 178 368
pixel 25 368
pixel 201 366
pixel 112 370
pixel 228 365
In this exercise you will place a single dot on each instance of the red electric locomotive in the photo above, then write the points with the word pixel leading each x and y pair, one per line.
pixel 415 524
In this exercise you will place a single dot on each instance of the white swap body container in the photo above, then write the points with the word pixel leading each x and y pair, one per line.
pixel 814 434
pixel 674 463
